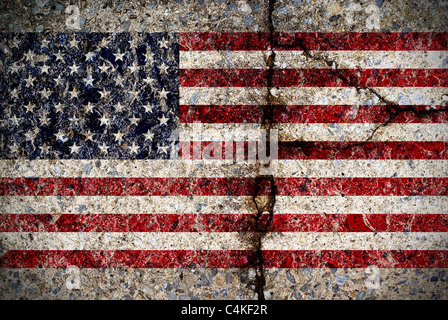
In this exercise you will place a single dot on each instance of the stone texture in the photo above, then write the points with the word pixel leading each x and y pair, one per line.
pixel 209 16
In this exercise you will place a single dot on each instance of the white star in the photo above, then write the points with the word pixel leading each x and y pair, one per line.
pixel 90 55
pixel 59 56
pixel 58 107
pixel 163 67
pixel 74 119
pixel 30 107
pixel 88 136
pixel 163 120
pixel 74 148
pixel 74 93
pixel 44 69
pixel 163 94
pixel 60 136
pixel 104 93
pixel 161 148
pixel 14 148
pixel 43 119
pixel 149 80
pixel 134 148
pixel 15 93
pixel 133 68
pixel 103 147
pixel 89 80
pixel 59 80
pixel 15 43
pixel 118 136
pixel 118 107
pixel 104 42
pixel 43 58
pixel 45 43
pixel 104 68
pixel 44 149
pixel 16 120
pixel 104 120
pixel 148 135
pixel 133 43
pixel 133 93
pixel 30 135
pixel 163 43
pixel 119 56
pixel 89 107
pixel 119 81
pixel 74 69
pixel 149 56
pixel 45 93
pixel 29 81
pixel 29 56
pixel 148 107
pixel 134 120
pixel 74 42
pixel 15 68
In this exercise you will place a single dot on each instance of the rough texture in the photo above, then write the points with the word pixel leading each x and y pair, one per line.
pixel 243 16
pixel 227 15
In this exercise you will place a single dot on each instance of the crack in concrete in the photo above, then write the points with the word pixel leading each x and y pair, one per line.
pixel 393 108
pixel 261 225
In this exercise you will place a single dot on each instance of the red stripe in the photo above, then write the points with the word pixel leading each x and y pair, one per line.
pixel 355 259
pixel 223 186
pixel 314 114
pixel 359 223
pixel 219 114
pixel 223 41
pixel 314 78
pixel 128 186
pixel 326 150
pixel 124 259
pixel 225 259
pixel 362 186
pixel 409 41
pixel 126 223
pixel 223 223
pixel 373 150
pixel 360 114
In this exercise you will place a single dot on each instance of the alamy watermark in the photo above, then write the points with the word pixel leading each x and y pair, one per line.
pixel 258 145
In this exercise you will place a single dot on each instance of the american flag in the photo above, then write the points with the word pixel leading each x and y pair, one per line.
pixel 87 179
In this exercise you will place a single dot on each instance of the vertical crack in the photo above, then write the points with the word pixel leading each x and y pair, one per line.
pixel 264 207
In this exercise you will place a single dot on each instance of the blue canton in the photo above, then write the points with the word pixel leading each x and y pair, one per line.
pixel 88 95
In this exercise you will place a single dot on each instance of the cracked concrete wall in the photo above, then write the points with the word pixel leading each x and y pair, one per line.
pixel 243 16
pixel 240 16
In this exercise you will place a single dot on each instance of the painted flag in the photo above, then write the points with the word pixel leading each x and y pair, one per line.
pixel 361 175
pixel 88 179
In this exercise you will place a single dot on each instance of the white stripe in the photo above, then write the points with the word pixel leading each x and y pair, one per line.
pixel 317 131
pixel 125 168
pixel 219 131
pixel 359 168
pixel 362 131
pixel 356 241
pixel 222 241
pixel 361 204
pixel 223 204
pixel 297 59
pixel 123 241
pixel 311 95
pixel 126 204
pixel 221 168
